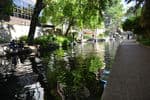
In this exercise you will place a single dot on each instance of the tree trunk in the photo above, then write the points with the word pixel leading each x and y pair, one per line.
pixel 69 26
pixel 67 31
pixel 145 20
pixel 38 7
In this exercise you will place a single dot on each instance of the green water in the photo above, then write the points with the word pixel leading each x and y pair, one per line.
pixel 73 71
pixel 63 74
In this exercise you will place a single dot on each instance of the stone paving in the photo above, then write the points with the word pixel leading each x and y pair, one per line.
pixel 130 75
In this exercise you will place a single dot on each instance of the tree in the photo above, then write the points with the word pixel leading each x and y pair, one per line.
pixel 5 12
pixel 56 9
pixel 80 13
pixel 145 18
pixel 5 9
pixel 38 7
pixel 113 15
pixel 145 15
pixel 133 24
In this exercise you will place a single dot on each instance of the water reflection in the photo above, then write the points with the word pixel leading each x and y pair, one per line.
pixel 72 74
pixel 109 55
pixel 18 81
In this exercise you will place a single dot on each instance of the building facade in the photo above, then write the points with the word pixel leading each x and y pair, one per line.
pixel 19 23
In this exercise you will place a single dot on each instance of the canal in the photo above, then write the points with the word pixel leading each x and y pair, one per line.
pixel 77 73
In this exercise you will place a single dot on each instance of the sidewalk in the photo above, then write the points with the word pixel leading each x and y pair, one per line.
pixel 130 75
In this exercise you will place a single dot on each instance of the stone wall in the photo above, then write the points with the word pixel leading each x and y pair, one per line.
pixel 16 28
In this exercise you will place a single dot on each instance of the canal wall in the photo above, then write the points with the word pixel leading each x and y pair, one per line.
pixel 15 31
pixel 16 28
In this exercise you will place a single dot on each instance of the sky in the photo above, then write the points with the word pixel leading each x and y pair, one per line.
pixel 127 6
pixel 24 2
pixel 30 1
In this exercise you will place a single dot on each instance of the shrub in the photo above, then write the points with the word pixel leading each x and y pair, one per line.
pixel 145 41
pixel 23 38
pixel 48 40
pixel 65 42
pixel 133 24
pixel 3 40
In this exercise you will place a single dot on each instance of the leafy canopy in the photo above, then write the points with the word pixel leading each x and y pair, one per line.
pixel 144 20
pixel 82 13
pixel 133 24
pixel 5 9
pixel 114 15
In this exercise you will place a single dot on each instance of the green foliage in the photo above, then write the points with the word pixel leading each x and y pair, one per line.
pixel 65 43
pixel 87 36
pixel 94 63
pixel 133 12
pixel 45 40
pixel 62 40
pixel 68 8
pixel 115 10
pixel 133 24
pixel 59 53
pixel 102 35
pixel 145 41
pixel 142 8
pixel 113 15
pixel 128 24
pixel 3 40
pixel 5 9
pixel 74 74
pixel 23 38
pixel 80 13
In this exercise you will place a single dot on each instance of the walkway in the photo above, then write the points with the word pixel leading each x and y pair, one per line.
pixel 130 74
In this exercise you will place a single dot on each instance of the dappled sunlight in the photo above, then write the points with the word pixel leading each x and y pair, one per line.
pixel 65 49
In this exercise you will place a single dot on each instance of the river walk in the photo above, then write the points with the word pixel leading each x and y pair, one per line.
pixel 130 75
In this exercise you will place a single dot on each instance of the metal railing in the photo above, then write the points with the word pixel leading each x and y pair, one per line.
pixel 22 12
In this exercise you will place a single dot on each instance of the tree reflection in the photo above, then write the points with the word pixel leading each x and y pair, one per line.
pixel 74 77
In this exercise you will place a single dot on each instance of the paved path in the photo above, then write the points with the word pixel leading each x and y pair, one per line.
pixel 130 74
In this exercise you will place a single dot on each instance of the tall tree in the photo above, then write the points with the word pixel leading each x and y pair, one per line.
pixel 80 13
pixel 145 18
pixel 5 9
pixel 145 15
pixel 113 15
pixel 56 9
pixel 37 9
